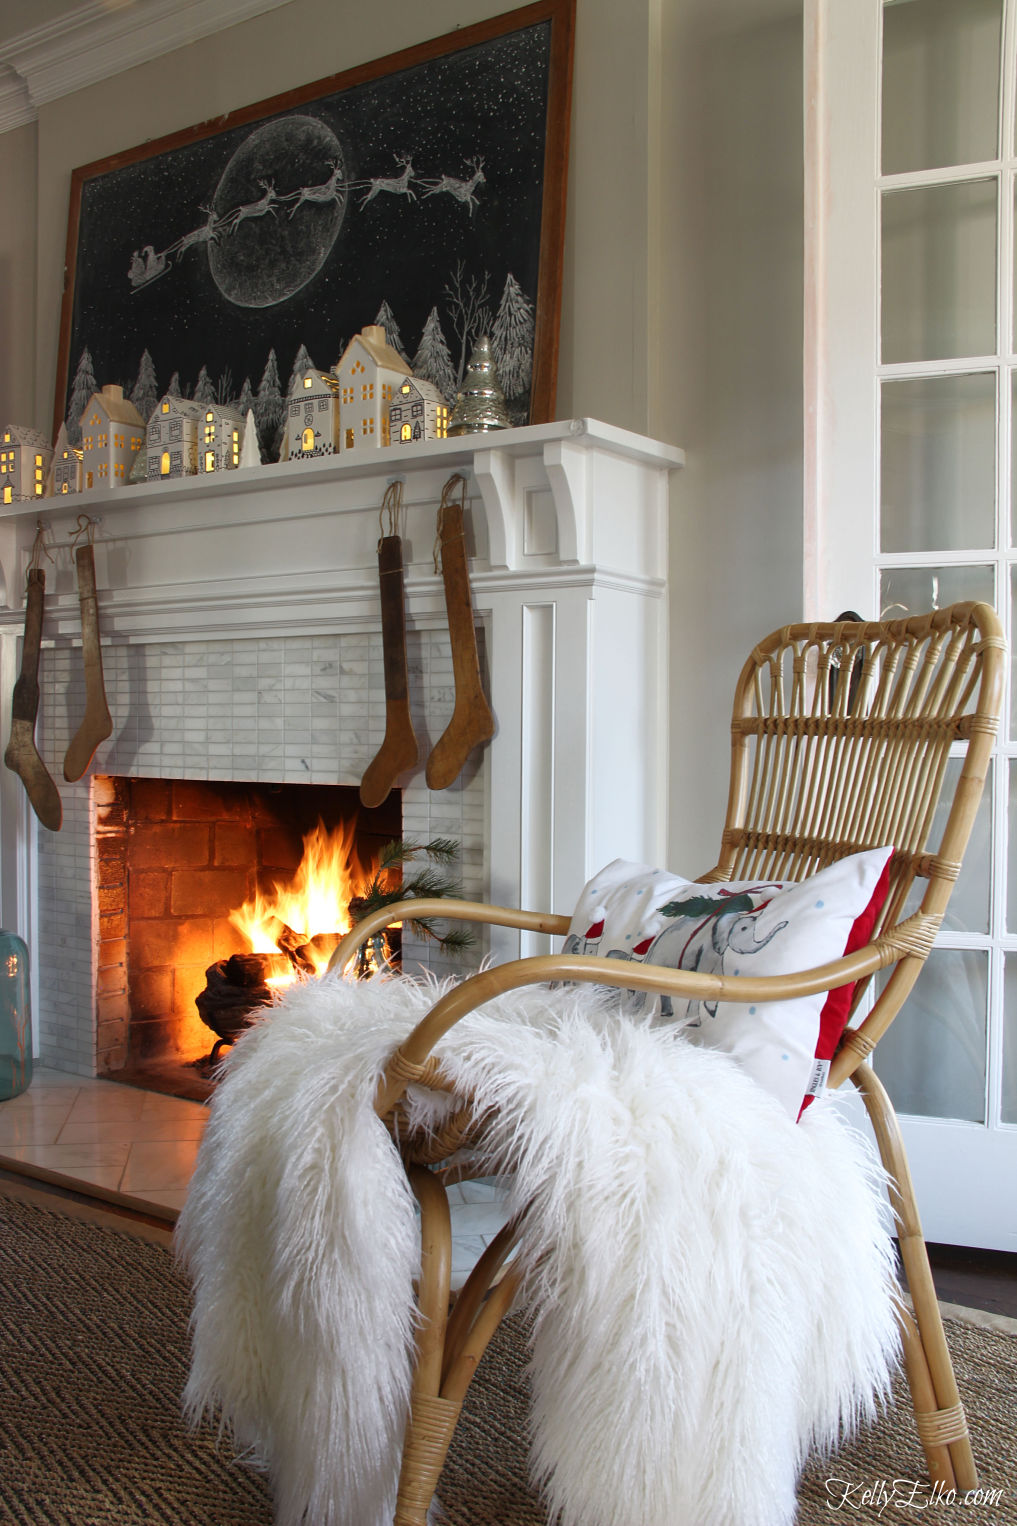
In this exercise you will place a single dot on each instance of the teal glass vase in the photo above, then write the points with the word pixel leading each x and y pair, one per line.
pixel 15 1017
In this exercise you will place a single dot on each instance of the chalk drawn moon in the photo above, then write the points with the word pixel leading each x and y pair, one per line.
pixel 275 248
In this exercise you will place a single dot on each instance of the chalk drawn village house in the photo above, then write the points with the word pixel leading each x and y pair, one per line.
pixel 418 411
pixel 222 438
pixel 312 420
pixel 25 455
pixel 112 433
pixel 171 444
pixel 369 373
pixel 65 469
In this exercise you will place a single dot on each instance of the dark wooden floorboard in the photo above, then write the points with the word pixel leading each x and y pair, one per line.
pixel 977 1279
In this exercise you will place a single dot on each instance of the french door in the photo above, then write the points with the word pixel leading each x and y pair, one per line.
pixel 911 409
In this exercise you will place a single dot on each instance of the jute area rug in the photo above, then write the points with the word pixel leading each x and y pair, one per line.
pixel 93 1355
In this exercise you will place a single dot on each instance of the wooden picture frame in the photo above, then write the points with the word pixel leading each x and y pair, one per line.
pixel 429 181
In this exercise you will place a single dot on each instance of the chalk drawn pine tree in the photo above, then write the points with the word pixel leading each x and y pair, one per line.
pixel 302 362
pixel 204 390
pixel 512 339
pixel 82 387
pixel 145 392
pixel 386 319
pixel 269 410
pixel 245 402
pixel 433 362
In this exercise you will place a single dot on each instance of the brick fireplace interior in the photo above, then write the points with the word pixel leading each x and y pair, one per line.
pixel 173 858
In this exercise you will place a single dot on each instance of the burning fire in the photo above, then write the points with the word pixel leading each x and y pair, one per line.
pixel 314 906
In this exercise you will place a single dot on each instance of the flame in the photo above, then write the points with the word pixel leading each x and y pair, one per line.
pixel 316 900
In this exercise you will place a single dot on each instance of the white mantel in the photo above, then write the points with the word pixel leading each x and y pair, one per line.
pixel 567 528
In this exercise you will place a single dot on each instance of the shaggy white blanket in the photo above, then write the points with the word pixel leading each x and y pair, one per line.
pixel 713 1284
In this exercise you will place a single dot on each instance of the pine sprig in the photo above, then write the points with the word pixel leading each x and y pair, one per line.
pixel 389 885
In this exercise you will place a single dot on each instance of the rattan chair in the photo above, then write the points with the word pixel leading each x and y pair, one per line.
pixel 840 739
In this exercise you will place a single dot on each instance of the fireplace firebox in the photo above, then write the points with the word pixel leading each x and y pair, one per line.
pixel 178 863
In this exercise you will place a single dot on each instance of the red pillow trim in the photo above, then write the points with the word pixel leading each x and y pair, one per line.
pixel 834 1016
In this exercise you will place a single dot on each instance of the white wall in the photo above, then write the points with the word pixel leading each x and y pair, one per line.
pixel 18 177
pixel 682 301
pixel 731 344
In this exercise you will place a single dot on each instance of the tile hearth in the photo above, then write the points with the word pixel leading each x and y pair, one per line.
pixel 85 1133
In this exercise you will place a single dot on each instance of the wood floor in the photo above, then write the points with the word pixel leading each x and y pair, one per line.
pixel 975 1279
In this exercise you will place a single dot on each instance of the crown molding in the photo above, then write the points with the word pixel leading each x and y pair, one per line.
pixel 94 42
pixel 15 104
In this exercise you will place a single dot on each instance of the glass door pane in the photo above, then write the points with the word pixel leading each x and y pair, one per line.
pixel 940 83
pixel 938 490
pixel 939 271
pixel 933 1059
pixel 916 590
pixel 1008 1112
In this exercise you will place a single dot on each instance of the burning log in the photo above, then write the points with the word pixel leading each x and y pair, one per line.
pixel 291 943
pixel 249 970
pixel 318 950
pixel 235 988
pixel 227 1007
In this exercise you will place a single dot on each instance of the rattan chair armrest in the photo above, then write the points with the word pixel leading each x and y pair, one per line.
pixel 448 909
pixel 407 1063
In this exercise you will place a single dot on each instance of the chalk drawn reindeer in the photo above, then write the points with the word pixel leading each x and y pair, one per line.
pixel 329 190
pixel 265 203
pixel 399 185
pixel 462 190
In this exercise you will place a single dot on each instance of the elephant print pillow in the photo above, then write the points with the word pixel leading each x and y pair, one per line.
pixel 764 927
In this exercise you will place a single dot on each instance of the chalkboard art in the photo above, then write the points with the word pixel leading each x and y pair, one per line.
pixel 424 192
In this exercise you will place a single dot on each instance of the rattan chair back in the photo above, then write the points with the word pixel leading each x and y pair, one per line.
pixel 842 737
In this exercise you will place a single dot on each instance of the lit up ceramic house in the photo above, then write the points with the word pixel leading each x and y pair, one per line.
pixel 112 433
pixel 25 455
pixel 66 466
pixel 312 416
pixel 171 441
pixel 221 438
pixel 369 374
pixel 418 411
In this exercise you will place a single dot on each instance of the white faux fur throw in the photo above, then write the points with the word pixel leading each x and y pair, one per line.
pixel 714 1288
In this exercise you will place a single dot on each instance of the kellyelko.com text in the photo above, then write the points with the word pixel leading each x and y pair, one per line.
pixel 881 1494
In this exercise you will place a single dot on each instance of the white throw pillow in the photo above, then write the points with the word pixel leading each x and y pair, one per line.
pixel 630 911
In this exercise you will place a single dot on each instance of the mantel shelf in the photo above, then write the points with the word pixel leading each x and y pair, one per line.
pixel 277 543
pixel 462 454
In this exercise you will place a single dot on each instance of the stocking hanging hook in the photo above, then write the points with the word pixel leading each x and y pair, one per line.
pixel 392 505
pixel 85 527
pixel 456 483
pixel 40 546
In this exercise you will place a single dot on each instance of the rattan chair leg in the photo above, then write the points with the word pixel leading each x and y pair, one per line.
pixel 472 1294
pixel 939 1414
pixel 432 1419
pixel 428 1436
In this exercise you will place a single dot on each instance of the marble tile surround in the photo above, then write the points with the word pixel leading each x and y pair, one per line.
pixel 278 709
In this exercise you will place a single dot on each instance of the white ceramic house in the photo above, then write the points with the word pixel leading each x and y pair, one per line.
pixel 369 374
pixel 65 469
pixel 418 411
pixel 312 416
pixel 112 433
pixel 25 455
pixel 222 438
pixel 171 444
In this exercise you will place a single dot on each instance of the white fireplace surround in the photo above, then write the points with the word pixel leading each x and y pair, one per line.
pixel 241 640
